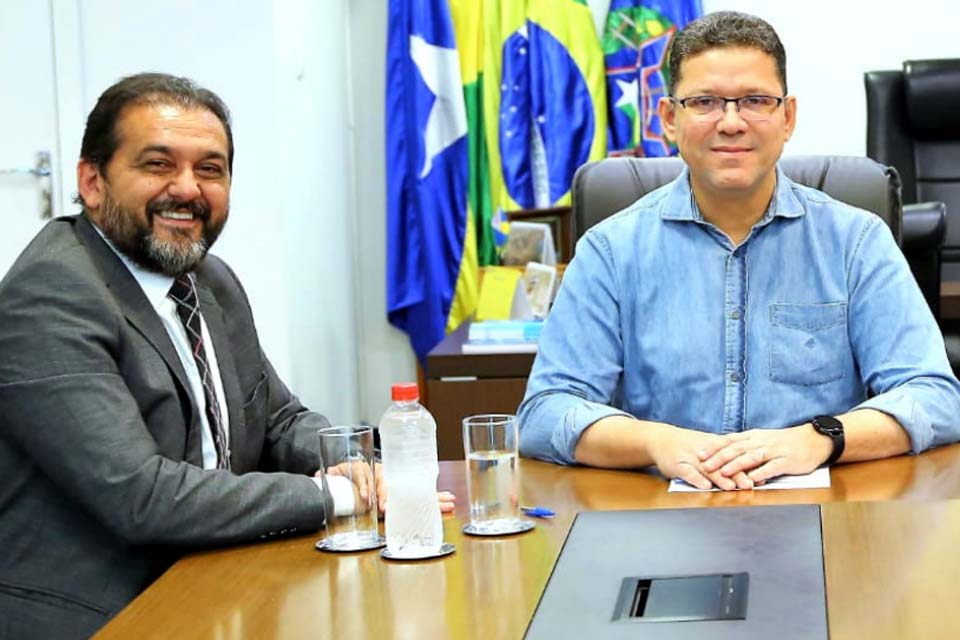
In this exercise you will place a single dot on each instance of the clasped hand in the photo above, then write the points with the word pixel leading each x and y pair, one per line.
pixel 738 460
pixel 368 486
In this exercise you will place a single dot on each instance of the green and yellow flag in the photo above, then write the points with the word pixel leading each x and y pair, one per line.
pixel 534 84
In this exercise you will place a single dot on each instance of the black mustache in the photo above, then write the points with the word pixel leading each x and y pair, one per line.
pixel 198 208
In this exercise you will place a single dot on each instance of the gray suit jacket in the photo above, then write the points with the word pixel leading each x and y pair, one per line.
pixel 101 485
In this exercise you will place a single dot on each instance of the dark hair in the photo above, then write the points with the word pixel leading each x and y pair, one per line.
pixel 726 29
pixel 100 139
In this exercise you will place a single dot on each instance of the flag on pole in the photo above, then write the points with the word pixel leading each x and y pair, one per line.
pixel 533 79
pixel 467 18
pixel 547 114
pixel 635 44
pixel 431 245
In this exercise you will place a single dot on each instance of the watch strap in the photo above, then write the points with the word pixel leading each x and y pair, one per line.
pixel 833 429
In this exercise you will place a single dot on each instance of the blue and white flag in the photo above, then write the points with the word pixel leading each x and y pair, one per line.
pixel 431 250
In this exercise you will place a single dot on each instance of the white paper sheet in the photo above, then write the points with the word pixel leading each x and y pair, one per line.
pixel 818 479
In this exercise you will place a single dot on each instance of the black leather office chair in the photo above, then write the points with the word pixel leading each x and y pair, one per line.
pixel 913 124
pixel 605 187
pixel 602 188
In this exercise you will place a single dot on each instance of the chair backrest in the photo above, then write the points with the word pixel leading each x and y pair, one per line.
pixel 913 124
pixel 602 188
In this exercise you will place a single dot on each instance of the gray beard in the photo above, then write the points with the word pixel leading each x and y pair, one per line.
pixel 138 242
pixel 173 259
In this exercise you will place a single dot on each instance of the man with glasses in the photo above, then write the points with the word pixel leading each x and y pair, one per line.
pixel 734 326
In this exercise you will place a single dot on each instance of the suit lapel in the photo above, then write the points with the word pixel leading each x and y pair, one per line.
pixel 142 316
pixel 213 316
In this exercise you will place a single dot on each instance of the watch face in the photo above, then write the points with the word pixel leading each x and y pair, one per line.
pixel 828 425
pixel 833 429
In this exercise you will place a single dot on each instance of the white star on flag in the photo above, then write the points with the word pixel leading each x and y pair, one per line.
pixel 630 94
pixel 447 122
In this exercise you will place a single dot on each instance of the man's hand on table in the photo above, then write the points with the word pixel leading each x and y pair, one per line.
pixel 762 454
pixel 680 453
pixel 364 484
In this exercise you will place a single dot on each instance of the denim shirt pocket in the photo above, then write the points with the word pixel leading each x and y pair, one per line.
pixel 807 342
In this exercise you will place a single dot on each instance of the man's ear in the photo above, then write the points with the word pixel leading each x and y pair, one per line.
pixel 790 116
pixel 89 184
pixel 667 111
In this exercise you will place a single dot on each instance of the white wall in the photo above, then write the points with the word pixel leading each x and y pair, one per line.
pixel 281 68
pixel 385 354
pixel 313 177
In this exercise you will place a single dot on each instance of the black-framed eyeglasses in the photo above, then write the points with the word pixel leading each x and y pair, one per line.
pixel 713 107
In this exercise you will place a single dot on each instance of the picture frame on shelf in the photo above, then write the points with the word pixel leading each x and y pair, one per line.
pixel 560 221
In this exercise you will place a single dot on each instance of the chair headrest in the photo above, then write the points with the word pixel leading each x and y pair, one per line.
pixel 932 89
pixel 605 187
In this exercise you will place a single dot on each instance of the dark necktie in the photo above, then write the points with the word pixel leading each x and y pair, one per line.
pixel 184 294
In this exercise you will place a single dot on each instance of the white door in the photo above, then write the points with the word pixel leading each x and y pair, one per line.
pixel 28 125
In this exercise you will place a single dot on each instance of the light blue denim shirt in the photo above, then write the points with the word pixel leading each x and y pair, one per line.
pixel 662 318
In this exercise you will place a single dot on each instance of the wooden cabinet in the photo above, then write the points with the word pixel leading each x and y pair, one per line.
pixel 453 400
pixel 459 385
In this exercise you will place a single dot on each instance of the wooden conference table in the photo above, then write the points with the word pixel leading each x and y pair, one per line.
pixel 890 540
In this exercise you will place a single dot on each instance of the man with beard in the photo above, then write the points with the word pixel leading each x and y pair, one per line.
pixel 139 416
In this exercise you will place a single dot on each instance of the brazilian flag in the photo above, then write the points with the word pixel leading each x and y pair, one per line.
pixel 636 41
pixel 467 18
pixel 431 246
pixel 534 84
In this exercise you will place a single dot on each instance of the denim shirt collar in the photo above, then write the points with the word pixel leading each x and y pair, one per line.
pixel 680 204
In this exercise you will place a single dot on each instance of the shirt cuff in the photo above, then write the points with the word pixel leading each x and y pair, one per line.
pixel 341 491
pixel 576 419
pixel 908 412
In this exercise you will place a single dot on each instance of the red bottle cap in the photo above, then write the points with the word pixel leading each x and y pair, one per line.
pixel 404 392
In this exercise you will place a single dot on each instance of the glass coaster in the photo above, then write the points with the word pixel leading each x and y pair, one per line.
pixel 499 527
pixel 360 544
pixel 445 549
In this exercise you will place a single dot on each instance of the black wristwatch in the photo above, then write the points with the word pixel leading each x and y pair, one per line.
pixel 833 429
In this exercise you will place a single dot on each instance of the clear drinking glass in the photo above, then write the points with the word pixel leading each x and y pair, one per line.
pixel 490 449
pixel 348 452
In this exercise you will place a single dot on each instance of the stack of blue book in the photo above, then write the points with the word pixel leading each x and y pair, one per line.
pixel 503 336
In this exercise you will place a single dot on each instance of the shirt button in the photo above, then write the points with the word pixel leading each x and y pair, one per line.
pixel 734 376
pixel 735 314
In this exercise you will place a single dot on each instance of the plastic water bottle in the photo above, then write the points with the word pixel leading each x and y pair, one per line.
pixel 408 442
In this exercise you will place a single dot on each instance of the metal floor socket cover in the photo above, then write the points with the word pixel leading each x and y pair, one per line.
pixel 721 596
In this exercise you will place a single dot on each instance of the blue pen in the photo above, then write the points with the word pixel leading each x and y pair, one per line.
pixel 538 512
